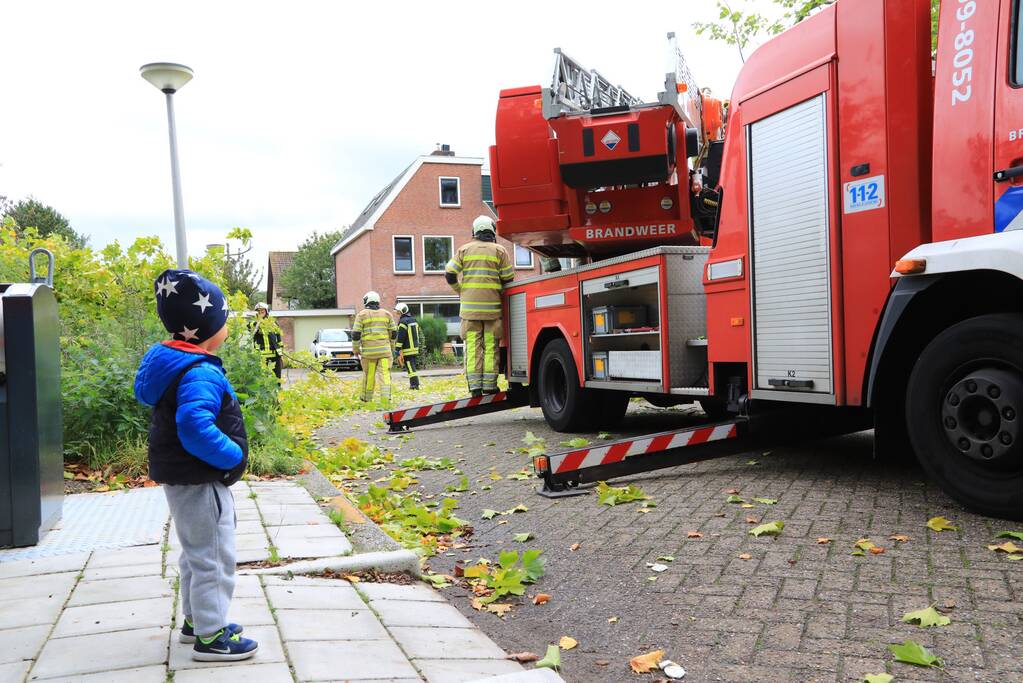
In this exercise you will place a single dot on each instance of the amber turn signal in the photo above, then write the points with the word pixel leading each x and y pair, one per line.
pixel 911 266
pixel 540 464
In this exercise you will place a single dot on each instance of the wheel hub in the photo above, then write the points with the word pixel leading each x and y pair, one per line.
pixel 980 414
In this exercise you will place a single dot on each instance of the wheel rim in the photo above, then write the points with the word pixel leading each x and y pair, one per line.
pixel 980 414
pixel 555 386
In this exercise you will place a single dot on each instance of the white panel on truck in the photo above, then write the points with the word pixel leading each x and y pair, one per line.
pixel 789 236
pixel 518 359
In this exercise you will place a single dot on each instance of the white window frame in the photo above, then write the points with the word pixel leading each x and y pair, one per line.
pixel 515 260
pixel 440 192
pixel 451 241
pixel 394 255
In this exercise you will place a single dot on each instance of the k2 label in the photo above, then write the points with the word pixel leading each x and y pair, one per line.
pixel 864 195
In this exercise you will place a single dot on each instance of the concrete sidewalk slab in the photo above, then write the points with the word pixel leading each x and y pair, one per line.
pixel 22 643
pixel 120 590
pixel 45 565
pixel 15 672
pixel 126 572
pixel 254 673
pixel 461 670
pixel 145 674
pixel 407 613
pixel 314 597
pixel 37 586
pixel 445 643
pixel 307 624
pixel 392 591
pixel 113 616
pixel 345 660
pixel 31 612
pixel 66 657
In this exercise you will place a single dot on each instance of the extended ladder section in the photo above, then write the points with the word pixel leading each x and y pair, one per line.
pixel 576 89
pixel 404 420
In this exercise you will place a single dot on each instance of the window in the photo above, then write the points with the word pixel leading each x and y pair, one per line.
pixel 449 192
pixel 334 335
pixel 449 312
pixel 1016 62
pixel 437 251
pixel 403 254
pixel 523 257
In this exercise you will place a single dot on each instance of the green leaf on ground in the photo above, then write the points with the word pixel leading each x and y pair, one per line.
pixel 878 678
pixel 666 558
pixel 604 435
pixel 648 504
pixel 1014 558
pixel 490 514
pixel 926 617
pixel 614 495
pixel 551 660
pixel 518 508
pixel 734 499
pixel 752 462
pixel 577 442
pixel 461 487
pixel 769 529
pixel 914 653
pixel 522 538
pixel 533 564
pixel 940 524
pixel 437 580
pixel 521 475
pixel 1018 535
pixel 766 501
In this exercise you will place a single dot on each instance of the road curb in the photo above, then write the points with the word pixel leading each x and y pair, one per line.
pixel 389 561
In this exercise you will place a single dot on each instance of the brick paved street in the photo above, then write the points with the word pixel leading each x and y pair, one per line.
pixel 795 611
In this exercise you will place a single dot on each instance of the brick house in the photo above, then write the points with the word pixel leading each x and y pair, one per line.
pixel 405 236
pixel 277 263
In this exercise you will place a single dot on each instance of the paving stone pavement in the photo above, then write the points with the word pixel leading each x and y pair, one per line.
pixel 112 616
pixel 795 611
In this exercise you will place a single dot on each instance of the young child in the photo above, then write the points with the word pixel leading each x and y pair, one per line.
pixel 197 449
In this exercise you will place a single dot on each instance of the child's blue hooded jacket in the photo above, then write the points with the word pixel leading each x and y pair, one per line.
pixel 197 433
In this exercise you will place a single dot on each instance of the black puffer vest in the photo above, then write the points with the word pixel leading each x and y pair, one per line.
pixel 170 463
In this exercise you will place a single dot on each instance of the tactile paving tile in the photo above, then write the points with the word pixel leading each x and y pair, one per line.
pixel 94 521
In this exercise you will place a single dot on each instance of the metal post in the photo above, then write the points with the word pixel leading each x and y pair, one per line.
pixel 179 209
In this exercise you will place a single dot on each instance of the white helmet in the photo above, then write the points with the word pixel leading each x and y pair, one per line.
pixel 262 307
pixel 401 308
pixel 483 224
pixel 370 298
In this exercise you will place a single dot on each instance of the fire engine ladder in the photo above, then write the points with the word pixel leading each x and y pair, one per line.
pixel 403 420
pixel 576 89
pixel 563 472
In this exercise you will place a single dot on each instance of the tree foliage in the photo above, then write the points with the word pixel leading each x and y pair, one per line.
pixel 310 278
pixel 435 333
pixel 240 275
pixel 740 24
pixel 31 213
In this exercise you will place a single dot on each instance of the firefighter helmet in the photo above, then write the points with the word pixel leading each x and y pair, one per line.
pixel 482 224
pixel 262 307
pixel 370 298
pixel 401 308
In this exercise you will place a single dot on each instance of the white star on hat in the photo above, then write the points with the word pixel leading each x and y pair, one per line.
pixel 161 286
pixel 189 334
pixel 224 307
pixel 170 286
pixel 203 303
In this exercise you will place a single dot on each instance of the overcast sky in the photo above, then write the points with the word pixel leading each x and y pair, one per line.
pixel 299 112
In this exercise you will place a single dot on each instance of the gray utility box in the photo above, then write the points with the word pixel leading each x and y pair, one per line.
pixel 31 438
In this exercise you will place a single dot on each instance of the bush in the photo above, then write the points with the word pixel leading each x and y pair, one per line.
pixel 435 333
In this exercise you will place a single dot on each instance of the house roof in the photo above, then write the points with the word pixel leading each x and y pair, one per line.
pixel 383 199
pixel 280 261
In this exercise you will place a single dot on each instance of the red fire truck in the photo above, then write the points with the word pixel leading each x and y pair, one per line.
pixel 835 248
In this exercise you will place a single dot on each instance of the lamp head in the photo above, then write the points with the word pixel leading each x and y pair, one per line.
pixel 166 76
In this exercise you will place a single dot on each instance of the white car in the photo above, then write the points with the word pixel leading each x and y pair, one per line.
pixel 334 348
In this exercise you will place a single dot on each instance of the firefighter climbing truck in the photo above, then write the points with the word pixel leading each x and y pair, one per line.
pixel 837 247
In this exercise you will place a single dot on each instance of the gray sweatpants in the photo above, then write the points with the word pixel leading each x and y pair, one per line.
pixel 205 519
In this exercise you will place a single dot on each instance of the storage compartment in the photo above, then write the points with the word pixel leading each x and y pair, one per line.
pixel 641 365
pixel 598 365
pixel 609 319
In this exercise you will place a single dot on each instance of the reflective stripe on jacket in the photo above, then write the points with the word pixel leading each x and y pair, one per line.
pixel 483 268
pixel 372 333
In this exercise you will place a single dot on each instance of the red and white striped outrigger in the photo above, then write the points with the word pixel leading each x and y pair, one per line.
pixel 403 420
pixel 567 469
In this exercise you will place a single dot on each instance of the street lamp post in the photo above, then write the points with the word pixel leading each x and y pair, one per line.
pixel 169 78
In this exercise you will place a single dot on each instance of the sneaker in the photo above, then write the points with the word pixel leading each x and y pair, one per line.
pixel 187 633
pixel 224 648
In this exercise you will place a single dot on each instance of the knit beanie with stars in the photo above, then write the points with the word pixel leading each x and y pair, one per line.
pixel 192 308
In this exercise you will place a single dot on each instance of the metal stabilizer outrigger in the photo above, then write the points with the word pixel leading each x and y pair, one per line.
pixel 403 420
pixel 563 472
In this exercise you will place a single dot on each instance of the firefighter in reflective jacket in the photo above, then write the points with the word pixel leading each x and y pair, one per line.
pixel 373 342
pixel 478 272
pixel 407 344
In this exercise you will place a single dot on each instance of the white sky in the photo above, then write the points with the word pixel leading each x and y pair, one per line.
pixel 299 112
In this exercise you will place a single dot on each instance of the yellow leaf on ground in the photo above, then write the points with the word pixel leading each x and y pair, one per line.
pixel 575 546
pixel 900 538
pixel 477 604
pixel 646 663
pixel 352 577
pixel 500 609
pixel 567 643
pixel 823 540
pixel 940 524
pixel 612 620
pixel 694 534
pixel 1007 547
pixel 745 505
pixel 745 556
pixel 541 599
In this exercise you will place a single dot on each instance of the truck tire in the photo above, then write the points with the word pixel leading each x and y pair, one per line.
pixel 566 406
pixel 964 413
